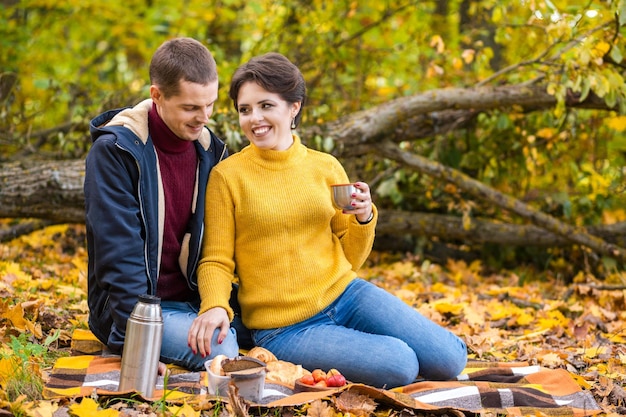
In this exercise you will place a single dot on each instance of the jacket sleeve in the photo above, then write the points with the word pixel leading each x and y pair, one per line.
pixel 116 238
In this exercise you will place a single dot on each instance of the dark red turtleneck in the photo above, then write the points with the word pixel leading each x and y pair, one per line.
pixel 177 161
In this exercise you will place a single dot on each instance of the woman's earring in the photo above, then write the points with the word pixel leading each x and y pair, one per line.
pixel 293 123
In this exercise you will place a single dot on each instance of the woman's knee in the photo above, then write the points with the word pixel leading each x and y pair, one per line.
pixel 398 367
pixel 401 372
pixel 447 363
pixel 458 362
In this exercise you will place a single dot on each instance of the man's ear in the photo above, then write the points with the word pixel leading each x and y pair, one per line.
pixel 155 94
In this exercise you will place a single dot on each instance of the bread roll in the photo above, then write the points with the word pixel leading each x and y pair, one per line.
pixel 216 365
pixel 262 354
pixel 284 372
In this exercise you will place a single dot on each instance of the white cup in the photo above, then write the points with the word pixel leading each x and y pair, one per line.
pixel 248 375
pixel 218 384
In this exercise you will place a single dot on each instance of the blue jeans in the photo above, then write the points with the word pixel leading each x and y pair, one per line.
pixel 371 337
pixel 177 319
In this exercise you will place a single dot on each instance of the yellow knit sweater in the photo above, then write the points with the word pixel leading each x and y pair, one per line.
pixel 269 215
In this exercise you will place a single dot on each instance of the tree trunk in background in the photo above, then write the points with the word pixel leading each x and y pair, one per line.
pixel 451 228
pixel 53 191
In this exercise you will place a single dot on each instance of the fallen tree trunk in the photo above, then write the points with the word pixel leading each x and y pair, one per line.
pixel 53 190
pixel 451 228
pixel 23 228
pixel 433 113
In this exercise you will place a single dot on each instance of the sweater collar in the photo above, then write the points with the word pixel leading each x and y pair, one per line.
pixel 162 136
pixel 280 159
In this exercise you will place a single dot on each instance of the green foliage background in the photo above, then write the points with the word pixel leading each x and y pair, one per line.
pixel 63 62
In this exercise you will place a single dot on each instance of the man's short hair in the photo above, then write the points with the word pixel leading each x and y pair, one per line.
pixel 183 59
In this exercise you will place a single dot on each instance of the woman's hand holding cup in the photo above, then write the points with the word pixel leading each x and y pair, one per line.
pixel 353 199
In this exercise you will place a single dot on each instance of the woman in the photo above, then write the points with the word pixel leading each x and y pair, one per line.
pixel 296 256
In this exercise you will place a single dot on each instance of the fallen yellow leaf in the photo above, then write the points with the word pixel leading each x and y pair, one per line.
pixel 89 408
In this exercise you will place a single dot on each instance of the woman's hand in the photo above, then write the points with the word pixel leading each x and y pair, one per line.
pixel 361 203
pixel 201 333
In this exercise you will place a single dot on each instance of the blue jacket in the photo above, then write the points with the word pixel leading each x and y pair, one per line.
pixel 125 215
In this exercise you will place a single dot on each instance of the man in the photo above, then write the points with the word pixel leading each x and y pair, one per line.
pixel 145 181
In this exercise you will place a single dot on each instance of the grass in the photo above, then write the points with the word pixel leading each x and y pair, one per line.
pixel 20 366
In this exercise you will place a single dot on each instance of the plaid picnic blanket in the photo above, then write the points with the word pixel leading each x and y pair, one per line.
pixel 506 389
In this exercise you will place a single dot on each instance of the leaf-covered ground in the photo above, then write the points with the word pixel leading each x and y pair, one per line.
pixel 504 316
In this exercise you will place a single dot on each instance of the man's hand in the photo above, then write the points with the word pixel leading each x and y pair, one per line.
pixel 203 328
pixel 162 369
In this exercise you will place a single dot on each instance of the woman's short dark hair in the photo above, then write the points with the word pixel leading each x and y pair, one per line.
pixel 276 74
pixel 181 59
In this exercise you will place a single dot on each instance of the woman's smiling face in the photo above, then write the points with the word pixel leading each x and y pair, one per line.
pixel 265 117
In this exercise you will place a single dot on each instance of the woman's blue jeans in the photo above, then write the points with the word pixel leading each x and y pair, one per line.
pixel 177 319
pixel 371 337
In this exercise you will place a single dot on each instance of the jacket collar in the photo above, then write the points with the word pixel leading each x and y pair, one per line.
pixel 136 120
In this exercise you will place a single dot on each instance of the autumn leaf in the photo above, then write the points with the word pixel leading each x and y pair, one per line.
pixel 319 408
pixel 473 315
pixel 618 123
pixel 468 55
pixel 438 43
pixel 550 359
pixel 10 271
pixel 184 410
pixel 356 404
pixel 545 133
pixel 89 408
pixel 16 315
pixel 44 237
pixel 236 406
pixel 8 366
pixel 44 409
pixel 449 308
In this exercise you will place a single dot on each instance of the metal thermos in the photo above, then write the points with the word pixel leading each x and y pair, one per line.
pixel 142 347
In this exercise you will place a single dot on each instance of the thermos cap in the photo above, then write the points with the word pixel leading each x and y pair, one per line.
pixel 149 299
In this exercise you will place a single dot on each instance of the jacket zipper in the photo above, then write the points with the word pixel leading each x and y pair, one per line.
pixel 143 218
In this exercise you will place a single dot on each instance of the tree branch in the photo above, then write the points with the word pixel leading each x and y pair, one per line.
pixel 482 191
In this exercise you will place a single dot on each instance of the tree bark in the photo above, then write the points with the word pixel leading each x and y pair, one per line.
pixel 51 190
pixel 451 228
pixel 23 228
pixel 433 112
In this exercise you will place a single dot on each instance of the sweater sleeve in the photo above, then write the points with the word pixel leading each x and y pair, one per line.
pixel 356 239
pixel 361 240
pixel 216 267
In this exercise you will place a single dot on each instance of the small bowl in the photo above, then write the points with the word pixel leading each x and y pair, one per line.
pixel 299 386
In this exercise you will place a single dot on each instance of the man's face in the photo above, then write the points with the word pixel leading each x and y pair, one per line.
pixel 189 111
